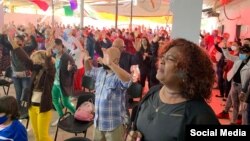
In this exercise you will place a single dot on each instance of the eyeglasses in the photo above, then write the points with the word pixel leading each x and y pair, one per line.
pixel 168 58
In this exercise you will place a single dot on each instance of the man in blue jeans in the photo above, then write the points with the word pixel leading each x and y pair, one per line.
pixel 245 92
pixel 239 74
pixel 21 74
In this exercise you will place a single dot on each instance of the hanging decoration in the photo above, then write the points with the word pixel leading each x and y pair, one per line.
pixel 41 4
pixel 73 4
pixel 68 11
pixel 223 2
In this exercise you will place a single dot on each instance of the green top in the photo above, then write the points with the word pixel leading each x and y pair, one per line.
pixel 57 66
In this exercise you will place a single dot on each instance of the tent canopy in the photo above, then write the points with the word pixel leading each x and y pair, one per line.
pixel 150 8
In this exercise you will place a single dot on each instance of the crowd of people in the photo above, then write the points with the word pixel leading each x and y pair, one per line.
pixel 48 65
pixel 232 69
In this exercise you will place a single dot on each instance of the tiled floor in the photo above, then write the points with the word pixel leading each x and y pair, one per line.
pixel 216 103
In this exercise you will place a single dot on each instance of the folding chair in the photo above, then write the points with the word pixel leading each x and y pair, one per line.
pixel 24 114
pixel 78 139
pixel 6 81
pixel 88 83
pixel 69 124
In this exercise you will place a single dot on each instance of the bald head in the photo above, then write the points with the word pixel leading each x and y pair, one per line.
pixel 114 54
pixel 118 43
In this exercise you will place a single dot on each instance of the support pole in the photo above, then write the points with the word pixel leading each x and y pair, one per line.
pixel 1 16
pixel 116 14
pixel 82 14
pixel 186 19
pixel 131 15
pixel 53 14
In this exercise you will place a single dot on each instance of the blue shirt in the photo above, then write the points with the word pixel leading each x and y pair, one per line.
pixel 14 132
pixel 110 99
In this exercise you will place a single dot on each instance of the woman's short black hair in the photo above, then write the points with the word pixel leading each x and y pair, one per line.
pixel 59 42
pixel 9 106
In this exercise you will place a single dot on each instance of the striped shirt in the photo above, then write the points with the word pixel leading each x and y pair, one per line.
pixel 109 99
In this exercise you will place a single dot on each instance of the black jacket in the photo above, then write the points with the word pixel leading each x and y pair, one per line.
pixel 67 77
pixel 44 84
pixel 197 112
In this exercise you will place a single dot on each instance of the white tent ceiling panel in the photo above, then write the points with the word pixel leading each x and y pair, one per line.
pixel 140 8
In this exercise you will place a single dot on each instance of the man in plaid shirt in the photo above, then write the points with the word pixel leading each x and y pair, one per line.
pixel 111 85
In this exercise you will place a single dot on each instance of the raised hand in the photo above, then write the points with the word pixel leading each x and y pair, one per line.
pixel 50 41
pixel 31 29
pixel 11 31
pixel 106 57
pixel 12 41
pixel 49 48
pixel 85 55
pixel 222 44
pixel 70 67
pixel 50 44
pixel 145 55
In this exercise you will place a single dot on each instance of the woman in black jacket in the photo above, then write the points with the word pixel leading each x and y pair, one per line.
pixel 181 100
pixel 144 60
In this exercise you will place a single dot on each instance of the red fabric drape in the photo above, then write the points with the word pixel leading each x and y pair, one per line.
pixel 224 1
pixel 41 4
